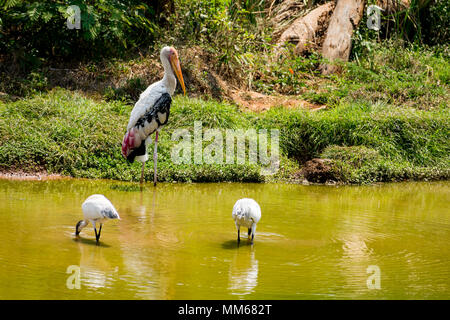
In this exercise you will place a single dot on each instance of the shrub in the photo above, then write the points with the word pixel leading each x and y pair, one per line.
pixel 32 29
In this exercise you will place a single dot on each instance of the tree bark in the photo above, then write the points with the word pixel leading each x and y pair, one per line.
pixel 303 32
pixel 338 40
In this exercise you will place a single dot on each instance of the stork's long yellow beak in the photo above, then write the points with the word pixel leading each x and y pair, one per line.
pixel 177 69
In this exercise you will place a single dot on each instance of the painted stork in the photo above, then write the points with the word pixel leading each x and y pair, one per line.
pixel 246 212
pixel 96 208
pixel 151 112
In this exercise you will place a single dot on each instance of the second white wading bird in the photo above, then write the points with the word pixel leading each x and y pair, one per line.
pixel 246 212
pixel 96 209
pixel 151 112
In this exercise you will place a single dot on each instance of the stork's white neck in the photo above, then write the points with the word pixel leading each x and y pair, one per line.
pixel 169 80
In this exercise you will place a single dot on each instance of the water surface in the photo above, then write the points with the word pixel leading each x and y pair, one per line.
pixel 178 241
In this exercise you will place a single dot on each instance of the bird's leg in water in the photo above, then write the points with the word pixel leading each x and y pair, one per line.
pixel 253 229
pixel 239 235
pixel 96 234
pixel 155 158
pixel 99 231
pixel 142 173
pixel 249 231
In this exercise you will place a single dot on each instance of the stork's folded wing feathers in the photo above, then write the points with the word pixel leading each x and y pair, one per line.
pixel 134 140
pixel 159 113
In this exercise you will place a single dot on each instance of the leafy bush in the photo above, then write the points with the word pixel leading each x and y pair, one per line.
pixel 436 22
pixel 229 30
pixel 129 92
pixel 32 29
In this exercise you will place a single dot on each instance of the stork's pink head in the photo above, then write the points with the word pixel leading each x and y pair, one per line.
pixel 172 55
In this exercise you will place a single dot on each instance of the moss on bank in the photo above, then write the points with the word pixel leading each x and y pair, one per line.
pixel 65 132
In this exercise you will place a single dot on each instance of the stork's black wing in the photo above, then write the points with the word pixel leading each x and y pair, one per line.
pixel 152 120
pixel 160 112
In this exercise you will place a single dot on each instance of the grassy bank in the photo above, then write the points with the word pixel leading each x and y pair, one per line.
pixel 65 132
pixel 369 142
pixel 385 117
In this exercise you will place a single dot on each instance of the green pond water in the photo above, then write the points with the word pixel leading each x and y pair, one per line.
pixel 178 241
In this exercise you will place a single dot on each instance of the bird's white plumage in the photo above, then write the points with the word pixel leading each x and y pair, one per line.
pixel 98 208
pixel 148 98
pixel 144 157
pixel 246 212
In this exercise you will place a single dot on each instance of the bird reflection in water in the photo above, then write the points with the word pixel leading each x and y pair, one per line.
pixel 243 274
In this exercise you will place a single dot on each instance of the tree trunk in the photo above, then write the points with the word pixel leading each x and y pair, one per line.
pixel 338 40
pixel 304 31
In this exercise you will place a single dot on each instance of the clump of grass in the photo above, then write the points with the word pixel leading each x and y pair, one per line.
pixel 353 155
pixel 60 131
pixel 401 75
pixel 393 143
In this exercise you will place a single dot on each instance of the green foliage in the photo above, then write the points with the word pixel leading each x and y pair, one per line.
pixel 407 22
pixel 35 81
pixel 391 142
pixel 354 155
pixel 392 72
pixel 229 30
pixel 421 22
pixel 436 22
pixel 129 92
pixel 39 28
pixel 286 75
pixel 64 132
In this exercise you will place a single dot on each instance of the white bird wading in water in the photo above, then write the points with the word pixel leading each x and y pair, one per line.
pixel 151 112
pixel 246 212
pixel 96 208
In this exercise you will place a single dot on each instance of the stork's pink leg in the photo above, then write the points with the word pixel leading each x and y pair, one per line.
pixel 155 158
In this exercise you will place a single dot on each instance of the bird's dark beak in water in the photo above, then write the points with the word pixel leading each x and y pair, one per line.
pixel 177 69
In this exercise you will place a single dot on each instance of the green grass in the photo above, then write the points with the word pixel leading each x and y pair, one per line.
pixel 391 73
pixel 391 143
pixel 65 132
